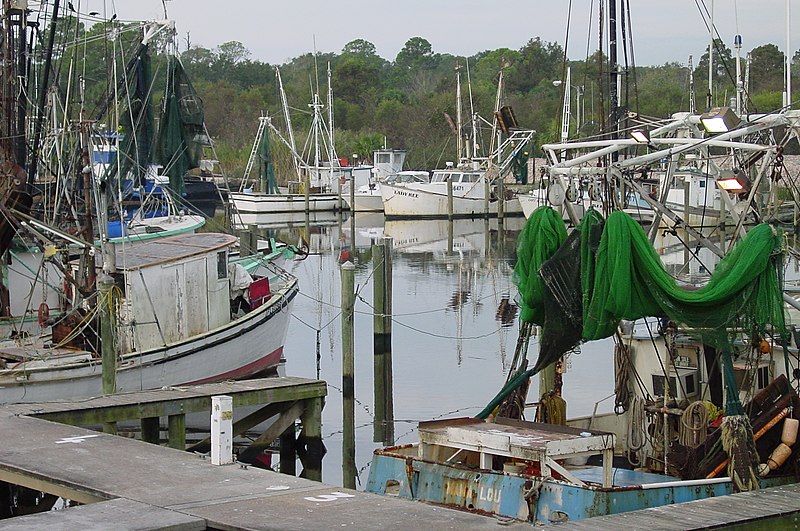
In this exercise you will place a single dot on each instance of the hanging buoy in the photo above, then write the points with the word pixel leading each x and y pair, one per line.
pixel 43 313
pixel 789 433
pixel 764 347
pixel 779 456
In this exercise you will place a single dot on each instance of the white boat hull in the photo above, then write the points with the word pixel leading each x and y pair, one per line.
pixel 432 202
pixel 239 349
pixel 288 203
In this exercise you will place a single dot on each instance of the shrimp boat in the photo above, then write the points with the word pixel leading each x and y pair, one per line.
pixel 679 388
pixel 706 369
pixel 184 315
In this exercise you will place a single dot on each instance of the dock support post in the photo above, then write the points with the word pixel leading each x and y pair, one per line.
pixel 288 459
pixel 382 344
pixel 487 193
pixel 244 243
pixel 449 198
pixel 501 198
pixel 312 436
pixel 348 377
pixel 253 230
pixel 221 430
pixel 177 431
pixel 151 430
pixel 108 346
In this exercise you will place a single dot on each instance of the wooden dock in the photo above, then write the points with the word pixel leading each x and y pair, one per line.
pixel 127 483
pixel 773 508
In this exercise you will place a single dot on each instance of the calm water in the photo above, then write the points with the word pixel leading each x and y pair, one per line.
pixel 451 352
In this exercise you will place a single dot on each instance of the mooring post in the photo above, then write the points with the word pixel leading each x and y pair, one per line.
pixel 109 347
pixel 312 437
pixel 151 430
pixel 487 195
pixel 379 344
pixel 388 244
pixel 244 243
pixel 348 377
pixel 253 229
pixel 221 430
pixel 288 458
pixel 501 198
pixel 449 198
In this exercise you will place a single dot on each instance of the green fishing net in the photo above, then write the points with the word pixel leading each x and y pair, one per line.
pixel 583 288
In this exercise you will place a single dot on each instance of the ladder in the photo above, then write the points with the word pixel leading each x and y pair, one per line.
pixel 262 124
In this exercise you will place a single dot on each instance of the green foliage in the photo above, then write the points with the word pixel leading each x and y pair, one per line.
pixel 403 100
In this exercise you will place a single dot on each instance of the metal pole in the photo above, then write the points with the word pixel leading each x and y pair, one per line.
pixel 348 378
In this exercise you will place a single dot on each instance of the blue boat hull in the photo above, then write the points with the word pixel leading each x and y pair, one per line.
pixel 394 472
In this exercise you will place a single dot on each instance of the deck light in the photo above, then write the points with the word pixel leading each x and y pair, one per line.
pixel 733 181
pixel 642 136
pixel 719 120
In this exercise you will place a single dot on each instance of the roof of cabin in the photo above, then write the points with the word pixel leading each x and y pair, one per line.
pixel 170 249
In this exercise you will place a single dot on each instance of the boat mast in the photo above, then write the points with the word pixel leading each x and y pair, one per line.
pixel 459 139
pixel 709 98
pixel 692 105
pixel 287 117
pixel 614 73
pixel 737 44
pixel 788 94
pixel 37 130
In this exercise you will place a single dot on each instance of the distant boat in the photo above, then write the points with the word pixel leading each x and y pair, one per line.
pixel 320 174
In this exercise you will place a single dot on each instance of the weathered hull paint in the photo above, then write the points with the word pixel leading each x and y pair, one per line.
pixel 241 348
pixel 521 497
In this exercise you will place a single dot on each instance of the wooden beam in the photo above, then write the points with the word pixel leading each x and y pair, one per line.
pixel 244 424
pixel 284 421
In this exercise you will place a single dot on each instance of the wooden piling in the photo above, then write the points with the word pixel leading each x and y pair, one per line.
pixel 501 198
pixel 348 377
pixel 151 429
pixel 244 243
pixel 449 198
pixel 108 347
pixel 312 437
pixel 176 424
pixel 382 339
pixel 288 457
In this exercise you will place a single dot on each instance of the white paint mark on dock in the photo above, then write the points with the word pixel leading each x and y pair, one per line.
pixel 75 440
pixel 333 496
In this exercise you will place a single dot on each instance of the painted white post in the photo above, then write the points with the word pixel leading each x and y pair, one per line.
pixel 221 430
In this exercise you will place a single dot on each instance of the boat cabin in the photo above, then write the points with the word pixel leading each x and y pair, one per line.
pixel 175 288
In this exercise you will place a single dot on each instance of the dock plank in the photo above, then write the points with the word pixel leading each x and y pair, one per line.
pixel 93 466
pixel 125 515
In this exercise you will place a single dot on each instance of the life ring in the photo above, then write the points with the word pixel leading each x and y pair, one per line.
pixel 43 313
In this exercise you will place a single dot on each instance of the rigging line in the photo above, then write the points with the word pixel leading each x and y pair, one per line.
pixel 442 336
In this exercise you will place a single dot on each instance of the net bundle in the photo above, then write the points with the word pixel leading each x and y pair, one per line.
pixel 605 272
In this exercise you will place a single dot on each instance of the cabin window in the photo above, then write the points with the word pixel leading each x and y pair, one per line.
pixel 384 158
pixel 222 265
pixel 702 184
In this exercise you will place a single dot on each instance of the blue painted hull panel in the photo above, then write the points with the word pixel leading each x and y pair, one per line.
pixel 529 498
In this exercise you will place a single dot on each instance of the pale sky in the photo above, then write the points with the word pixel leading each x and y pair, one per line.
pixel 275 32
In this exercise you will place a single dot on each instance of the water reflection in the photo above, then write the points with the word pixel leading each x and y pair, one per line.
pixel 454 324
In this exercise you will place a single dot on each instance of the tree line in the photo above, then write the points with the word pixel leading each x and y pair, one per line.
pixel 407 103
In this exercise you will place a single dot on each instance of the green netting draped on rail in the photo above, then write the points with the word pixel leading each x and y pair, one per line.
pixel 542 235
pixel 607 272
